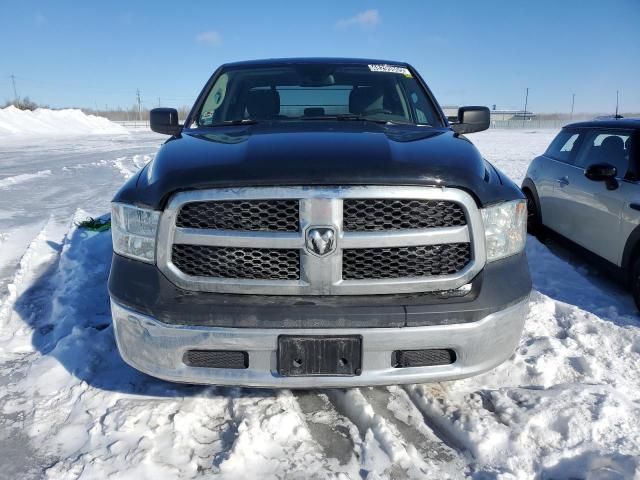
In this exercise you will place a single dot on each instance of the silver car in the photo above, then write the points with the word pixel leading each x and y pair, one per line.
pixel 586 187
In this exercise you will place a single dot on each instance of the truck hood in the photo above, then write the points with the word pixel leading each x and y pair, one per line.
pixel 315 153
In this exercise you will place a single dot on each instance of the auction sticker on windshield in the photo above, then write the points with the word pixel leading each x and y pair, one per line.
pixel 390 69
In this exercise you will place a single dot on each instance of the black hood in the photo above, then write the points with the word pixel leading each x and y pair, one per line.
pixel 316 153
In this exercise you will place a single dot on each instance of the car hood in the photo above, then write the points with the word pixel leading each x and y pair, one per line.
pixel 314 153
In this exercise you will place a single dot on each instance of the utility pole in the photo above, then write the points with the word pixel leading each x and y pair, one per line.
pixel 158 102
pixel 573 102
pixel 617 103
pixel 139 105
pixel 526 101
pixel 15 91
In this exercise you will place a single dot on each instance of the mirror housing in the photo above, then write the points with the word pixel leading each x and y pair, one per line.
pixel 603 172
pixel 599 172
pixel 472 119
pixel 165 120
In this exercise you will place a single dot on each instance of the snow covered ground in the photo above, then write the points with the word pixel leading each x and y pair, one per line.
pixel 566 405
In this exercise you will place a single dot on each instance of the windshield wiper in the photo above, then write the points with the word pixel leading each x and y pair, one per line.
pixel 239 121
pixel 352 117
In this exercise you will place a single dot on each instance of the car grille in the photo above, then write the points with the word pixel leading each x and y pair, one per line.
pixel 260 240
pixel 224 262
pixel 249 215
pixel 420 261
pixel 375 214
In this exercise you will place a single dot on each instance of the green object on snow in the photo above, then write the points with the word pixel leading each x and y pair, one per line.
pixel 95 224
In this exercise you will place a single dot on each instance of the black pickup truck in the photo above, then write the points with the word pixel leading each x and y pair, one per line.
pixel 318 223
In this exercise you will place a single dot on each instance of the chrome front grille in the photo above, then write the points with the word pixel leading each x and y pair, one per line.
pixel 245 240
pixel 376 214
pixel 250 215
pixel 399 262
pixel 225 262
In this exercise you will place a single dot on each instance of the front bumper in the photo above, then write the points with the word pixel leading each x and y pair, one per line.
pixel 158 348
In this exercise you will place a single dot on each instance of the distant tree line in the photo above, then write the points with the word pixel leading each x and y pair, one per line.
pixel 24 104
pixel 131 114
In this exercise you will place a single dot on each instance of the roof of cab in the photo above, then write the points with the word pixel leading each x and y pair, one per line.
pixel 312 60
pixel 629 123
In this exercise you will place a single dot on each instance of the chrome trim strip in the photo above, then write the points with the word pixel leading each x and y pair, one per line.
pixel 405 238
pixel 321 206
pixel 231 238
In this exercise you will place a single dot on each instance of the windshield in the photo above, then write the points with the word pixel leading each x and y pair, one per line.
pixel 383 93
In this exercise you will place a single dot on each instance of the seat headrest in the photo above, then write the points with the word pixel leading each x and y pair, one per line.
pixel 363 99
pixel 612 144
pixel 263 103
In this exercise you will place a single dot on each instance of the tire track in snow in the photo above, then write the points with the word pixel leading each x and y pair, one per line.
pixel 388 448
pixel 394 405
pixel 8 182
pixel 438 424
pixel 335 434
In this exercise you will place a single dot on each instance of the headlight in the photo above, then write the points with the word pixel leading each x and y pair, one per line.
pixel 505 229
pixel 133 231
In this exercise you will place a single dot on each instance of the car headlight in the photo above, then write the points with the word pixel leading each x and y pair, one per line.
pixel 505 229
pixel 133 231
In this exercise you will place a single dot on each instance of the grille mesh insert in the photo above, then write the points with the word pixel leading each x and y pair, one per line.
pixel 398 262
pixel 422 358
pixel 216 359
pixel 373 214
pixel 249 215
pixel 227 262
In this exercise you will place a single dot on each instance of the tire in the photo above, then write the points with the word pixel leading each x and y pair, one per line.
pixel 534 223
pixel 635 282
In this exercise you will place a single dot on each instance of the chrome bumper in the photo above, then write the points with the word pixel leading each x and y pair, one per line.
pixel 158 349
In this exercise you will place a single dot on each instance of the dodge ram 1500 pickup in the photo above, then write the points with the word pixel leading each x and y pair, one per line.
pixel 318 223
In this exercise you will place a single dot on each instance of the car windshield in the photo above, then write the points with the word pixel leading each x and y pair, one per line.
pixel 308 92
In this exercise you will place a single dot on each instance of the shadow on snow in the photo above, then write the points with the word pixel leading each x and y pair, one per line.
pixel 68 309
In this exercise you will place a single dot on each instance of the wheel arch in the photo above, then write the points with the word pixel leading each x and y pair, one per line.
pixel 630 253
pixel 528 185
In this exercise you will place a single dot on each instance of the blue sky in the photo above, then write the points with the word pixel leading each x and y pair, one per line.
pixel 470 52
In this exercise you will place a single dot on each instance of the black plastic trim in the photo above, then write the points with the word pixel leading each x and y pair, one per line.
pixel 143 288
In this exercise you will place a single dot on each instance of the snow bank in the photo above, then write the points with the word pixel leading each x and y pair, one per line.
pixel 16 122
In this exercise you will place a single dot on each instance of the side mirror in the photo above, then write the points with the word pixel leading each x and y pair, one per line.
pixel 599 172
pixel 165 120
pixel 603 172
pixel 472 119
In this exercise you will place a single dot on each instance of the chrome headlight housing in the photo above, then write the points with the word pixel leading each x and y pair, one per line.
pixel 505 229
pixel 133 231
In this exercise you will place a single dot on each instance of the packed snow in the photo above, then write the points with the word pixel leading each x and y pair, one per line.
pixel 566 405
pixel 46 122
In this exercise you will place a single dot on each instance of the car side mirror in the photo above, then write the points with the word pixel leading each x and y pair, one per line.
pixel 603 172
pixel 165 120
pixel 472 119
